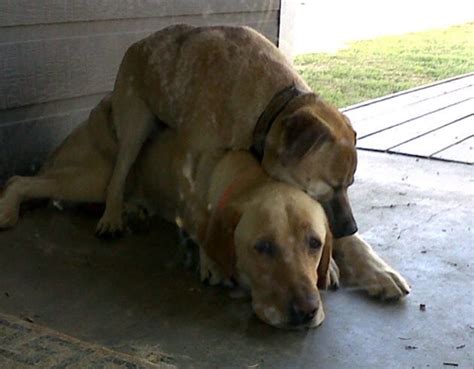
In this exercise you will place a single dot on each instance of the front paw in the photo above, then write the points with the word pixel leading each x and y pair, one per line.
pixel 361 267
pixel 209 271
pixel 334 275
pixel 110 225
pixel 384 282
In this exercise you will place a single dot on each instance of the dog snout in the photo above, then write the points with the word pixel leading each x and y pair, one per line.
pixel 303 311
pixel 339 213
pixel 344 226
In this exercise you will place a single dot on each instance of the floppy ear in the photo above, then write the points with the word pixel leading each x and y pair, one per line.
pixel 348 121
pixel 302 132
pixel 217 239
pixel 323 267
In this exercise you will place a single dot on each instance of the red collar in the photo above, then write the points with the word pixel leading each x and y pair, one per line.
pixel 231 187
pixel 225 249
pixel 226 194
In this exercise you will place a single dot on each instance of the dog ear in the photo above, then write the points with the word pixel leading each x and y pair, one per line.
pixel 354 133
pixel 324 263
pixel 302 132
pixel 217 239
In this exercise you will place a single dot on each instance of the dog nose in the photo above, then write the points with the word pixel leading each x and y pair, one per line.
pixel 303 311
pixel 339 213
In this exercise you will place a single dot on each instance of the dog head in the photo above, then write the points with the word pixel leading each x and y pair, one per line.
pixel 311 145
pixel 278 246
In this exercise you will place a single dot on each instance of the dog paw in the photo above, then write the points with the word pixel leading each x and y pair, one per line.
pixel 334 275
pixel 211 278
pixel 362 268
pixel 377 278
pixel 209 272
pixel 110 225
pixel 385 283
pixel 9 215
pixel 136 217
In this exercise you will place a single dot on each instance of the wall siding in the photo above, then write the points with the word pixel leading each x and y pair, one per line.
pixel 59 57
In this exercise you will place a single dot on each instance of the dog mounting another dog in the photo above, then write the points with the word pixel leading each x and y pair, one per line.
pixel 213 127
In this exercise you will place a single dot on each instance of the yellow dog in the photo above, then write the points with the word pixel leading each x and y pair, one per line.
pixel 271 238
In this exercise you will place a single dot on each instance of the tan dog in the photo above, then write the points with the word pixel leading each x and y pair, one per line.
pixel 269 236
pixel 230 88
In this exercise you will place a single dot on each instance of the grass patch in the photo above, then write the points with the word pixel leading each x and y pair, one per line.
pixel 368 69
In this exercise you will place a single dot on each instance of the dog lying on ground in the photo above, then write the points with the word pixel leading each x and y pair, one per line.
pixel 268 236
pixel 230 88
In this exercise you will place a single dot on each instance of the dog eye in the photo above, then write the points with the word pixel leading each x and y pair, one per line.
pixel 265 247
pixel 314 243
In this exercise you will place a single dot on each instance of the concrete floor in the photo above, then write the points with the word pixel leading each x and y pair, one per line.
pixel 135 295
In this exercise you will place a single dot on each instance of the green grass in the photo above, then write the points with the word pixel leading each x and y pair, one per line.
pixel 378 67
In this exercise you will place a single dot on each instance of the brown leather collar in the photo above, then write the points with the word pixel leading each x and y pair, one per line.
pixel 277 104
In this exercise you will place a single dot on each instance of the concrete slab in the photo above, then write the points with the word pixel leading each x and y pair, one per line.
pixel 135 295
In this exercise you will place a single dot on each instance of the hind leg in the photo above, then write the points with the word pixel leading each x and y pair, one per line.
pixel 134 122
pixel 81 184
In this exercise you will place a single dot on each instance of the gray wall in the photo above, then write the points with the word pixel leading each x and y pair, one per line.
pixel 59 57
